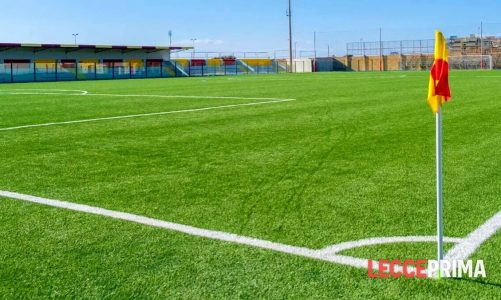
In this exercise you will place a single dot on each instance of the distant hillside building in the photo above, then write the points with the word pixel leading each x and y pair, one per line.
pixel 473 44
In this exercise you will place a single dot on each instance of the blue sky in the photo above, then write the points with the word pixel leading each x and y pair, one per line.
pixel 238 25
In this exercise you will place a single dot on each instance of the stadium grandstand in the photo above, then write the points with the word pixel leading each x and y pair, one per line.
pixel 55 62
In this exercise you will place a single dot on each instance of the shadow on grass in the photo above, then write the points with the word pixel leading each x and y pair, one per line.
pixel 479 282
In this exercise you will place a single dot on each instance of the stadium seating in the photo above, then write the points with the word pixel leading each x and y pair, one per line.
pixel 89 69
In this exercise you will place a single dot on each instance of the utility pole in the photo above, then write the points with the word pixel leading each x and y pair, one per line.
pixel 193 41
pixel 170 38
pixel 75 37
pixel 381 65
pixel 289 14
pixel 315 44
pixel 481 45
pixel 328 50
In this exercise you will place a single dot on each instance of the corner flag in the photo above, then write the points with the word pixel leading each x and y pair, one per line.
pixel 438 93
pixel 438 89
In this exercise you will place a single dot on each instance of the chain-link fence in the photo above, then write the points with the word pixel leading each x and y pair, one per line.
pixel 411 47
pixel 219 54
pixel 472 46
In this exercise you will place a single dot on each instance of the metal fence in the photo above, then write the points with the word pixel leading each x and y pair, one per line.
pixel 35 72
pixel 409 47
pixel 29 72
pixel 210 54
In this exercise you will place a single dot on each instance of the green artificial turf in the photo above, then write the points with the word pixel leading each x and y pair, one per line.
pixel 351 158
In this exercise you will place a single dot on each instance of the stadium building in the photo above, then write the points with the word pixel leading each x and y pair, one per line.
pixel 51 62
pixel 55 62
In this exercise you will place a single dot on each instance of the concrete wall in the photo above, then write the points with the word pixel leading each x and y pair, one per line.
pixel 387 62
pixel 368 63
pixel 398 62
pixel 394 62
pixel 303 65
pixel 329 64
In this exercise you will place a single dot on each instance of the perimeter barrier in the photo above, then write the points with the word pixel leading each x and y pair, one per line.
pixel 67 71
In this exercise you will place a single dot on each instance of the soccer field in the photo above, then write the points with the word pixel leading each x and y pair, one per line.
pixel 298 161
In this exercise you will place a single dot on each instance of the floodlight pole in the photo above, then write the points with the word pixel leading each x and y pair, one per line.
pixel 315 44
pixel 381 65
pixel 193 54
pixel 289 14
pixel 481 46
pixel 440 223
pixel 75 37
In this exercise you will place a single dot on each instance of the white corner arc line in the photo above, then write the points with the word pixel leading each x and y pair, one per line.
pixel 146 114
pixel 321 254
pixel 475 239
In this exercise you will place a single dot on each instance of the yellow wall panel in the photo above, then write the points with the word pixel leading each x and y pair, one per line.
pixel 257 61
pixel 45 61
pixel 183 62
pixel 215 62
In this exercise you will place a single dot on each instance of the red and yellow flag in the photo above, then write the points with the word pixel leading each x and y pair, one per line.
pixel 438 90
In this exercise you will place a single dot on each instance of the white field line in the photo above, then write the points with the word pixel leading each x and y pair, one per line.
pixel 188 97
pixel 335 78
pixel 86 93
pixel 327 254
pixel 475 239
pixel 43 92
pixel 146 114
pixel 211 234
pixel 372 77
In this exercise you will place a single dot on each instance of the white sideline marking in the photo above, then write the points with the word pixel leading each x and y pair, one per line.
pixel 86 93
pixel 475 239
pixel 328 254
pixel 189 97
pixel 145 115
pixel 43 92
pixel 211 234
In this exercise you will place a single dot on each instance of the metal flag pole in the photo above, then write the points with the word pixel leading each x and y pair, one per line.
pixel 440 223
